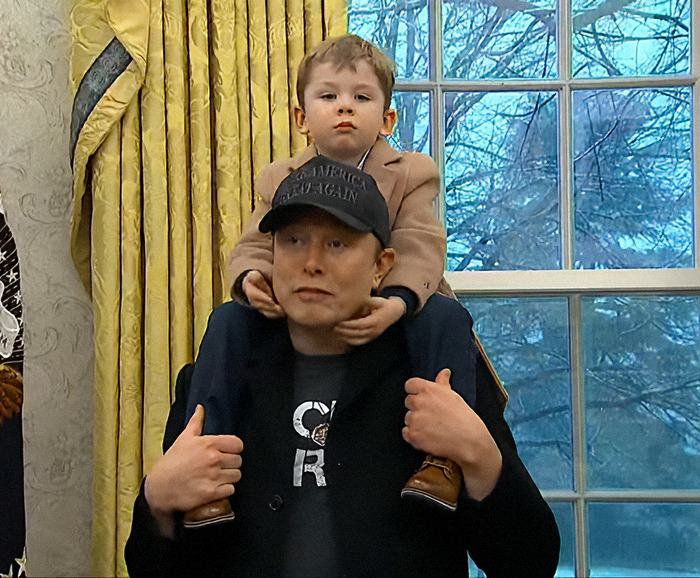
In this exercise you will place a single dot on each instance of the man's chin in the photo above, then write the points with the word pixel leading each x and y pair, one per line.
pixel 312 322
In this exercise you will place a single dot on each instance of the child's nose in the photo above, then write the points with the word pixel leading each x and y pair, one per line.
pixel 345 105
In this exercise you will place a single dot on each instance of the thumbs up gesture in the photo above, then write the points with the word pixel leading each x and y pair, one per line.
pixel 195 470
pixel 435 414
pixel 440 423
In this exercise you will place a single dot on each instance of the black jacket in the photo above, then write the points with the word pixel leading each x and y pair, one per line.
pixel 510 533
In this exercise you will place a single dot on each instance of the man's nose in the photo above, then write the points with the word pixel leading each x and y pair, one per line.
pixel 313 264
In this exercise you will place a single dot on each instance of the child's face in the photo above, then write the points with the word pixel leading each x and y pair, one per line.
pixel 344 111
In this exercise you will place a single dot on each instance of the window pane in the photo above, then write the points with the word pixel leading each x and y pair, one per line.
pixel 400 28
pixel 528 343
pixel 501 196
pixel 646 37
pixel 564 514
pixel 489 40
pixel 633 179
pixel 642 387
pixel 644 540
pixel 412 132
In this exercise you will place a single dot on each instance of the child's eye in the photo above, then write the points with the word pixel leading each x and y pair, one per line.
pixel 362 97
pixel 328 96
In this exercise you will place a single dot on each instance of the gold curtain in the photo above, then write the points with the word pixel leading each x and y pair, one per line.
pixel 178 104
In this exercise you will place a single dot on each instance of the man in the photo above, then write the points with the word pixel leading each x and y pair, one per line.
pixel 331 431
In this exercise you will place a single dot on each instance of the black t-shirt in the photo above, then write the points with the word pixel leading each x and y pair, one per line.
pixel 311 548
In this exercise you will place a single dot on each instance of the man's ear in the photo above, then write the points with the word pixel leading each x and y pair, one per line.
pixel 300 118
pixel 389 122
pixel 384 263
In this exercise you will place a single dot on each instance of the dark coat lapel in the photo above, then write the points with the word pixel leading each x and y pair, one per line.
pixel 271 369
pixel 375 358
pixel 269 376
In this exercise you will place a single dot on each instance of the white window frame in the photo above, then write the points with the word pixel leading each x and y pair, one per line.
pixel 567 279
pixel 569 282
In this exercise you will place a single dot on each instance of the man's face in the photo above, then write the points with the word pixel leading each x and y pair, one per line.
pixel 324 271
pixel 344 111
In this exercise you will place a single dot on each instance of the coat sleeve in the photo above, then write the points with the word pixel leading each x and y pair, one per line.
pixel 417 235
pixel 512 532
pixel 253 251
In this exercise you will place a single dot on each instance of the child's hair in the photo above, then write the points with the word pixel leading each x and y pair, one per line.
pixel 345 51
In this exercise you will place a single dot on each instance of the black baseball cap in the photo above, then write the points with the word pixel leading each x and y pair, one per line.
pixel 345 192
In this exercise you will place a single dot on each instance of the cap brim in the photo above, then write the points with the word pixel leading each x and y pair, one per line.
pixel 280 216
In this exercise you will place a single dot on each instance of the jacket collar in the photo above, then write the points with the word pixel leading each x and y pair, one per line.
pixel 271 367
pixel 377 164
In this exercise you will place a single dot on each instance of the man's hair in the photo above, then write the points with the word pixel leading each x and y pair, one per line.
pixel 344 52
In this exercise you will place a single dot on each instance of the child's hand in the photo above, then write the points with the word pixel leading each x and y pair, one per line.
pixel 382 314
pixel 260 295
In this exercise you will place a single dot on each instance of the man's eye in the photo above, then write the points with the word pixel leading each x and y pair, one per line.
pixel 336 244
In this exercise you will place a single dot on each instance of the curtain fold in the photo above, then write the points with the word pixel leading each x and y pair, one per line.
pixel 178 104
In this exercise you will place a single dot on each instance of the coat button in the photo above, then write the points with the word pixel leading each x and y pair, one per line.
pixel 276 503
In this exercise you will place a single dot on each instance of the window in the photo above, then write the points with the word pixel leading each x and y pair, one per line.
pixel 566 139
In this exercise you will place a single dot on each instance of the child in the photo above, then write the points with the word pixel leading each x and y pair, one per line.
pixel 344 90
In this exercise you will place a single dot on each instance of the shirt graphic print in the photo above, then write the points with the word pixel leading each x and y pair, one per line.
pixel 311 422
pixel 317 383
pixel 311 548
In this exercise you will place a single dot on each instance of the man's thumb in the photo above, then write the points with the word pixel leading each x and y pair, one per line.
pixel 443 378
pixel 196 423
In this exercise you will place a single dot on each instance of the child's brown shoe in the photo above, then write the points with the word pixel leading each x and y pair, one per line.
pixel 209 514
pixel 437 483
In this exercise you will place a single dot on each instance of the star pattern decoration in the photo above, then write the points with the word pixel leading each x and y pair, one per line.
pixel 21 565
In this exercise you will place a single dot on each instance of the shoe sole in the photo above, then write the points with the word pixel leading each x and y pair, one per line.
pixel 427 499
pixel 210 522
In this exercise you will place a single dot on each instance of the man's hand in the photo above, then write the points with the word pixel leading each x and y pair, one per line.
pixel 260 295
pixel 195 470
pixel 381 314
pixel 439 422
